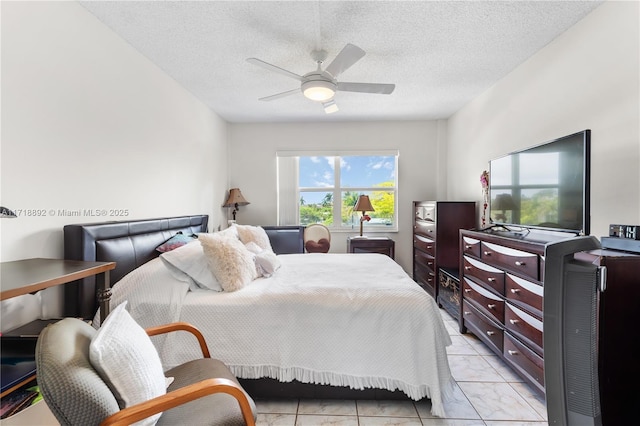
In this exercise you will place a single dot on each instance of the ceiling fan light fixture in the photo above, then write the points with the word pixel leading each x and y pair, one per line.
pixel 318 90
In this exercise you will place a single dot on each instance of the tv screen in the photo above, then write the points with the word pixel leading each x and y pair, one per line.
pixel 545 186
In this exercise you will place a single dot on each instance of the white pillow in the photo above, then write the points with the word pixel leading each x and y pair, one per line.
pixel 229 260
pixel 191 260
pixel 124 356
pixel 267 263
pixel 256 234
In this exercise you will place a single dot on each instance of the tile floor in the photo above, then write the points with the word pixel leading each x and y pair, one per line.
pixel 488 393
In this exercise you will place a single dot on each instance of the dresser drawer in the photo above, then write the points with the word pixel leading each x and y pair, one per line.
pixel 427 229
pixel 424 259
pixel 488 331
pixel 487 275
pixel 487 302
pixel 425 244
pixel 524 360
pixel 426 212
pixel 514 260
pixel 524 293
pixel 525 326
pixel 425 274
pixel 471 246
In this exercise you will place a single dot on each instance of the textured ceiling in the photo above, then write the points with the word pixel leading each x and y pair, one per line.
pixel 439 54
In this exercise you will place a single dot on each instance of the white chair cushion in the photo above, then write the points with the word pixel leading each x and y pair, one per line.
pixel 125 358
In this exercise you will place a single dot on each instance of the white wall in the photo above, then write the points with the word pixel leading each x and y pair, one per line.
pixel 252 159
pixel 89 123
pixel 588 78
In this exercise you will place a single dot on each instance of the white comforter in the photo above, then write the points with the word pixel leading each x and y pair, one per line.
pixel 339 319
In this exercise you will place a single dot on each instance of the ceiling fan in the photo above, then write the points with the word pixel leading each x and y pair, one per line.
pixel 321 85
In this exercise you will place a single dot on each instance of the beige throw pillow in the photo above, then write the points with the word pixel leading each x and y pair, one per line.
pixel 229 260
pixel 256 234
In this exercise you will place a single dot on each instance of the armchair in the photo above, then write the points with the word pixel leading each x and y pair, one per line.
pixel 204 391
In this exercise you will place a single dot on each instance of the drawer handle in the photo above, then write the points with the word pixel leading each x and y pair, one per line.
pixel 491 305
pixel 467 290
pixel 430 263
pixel 491 279
pixel 467 247
pixel 467 313
pixel 513 352
pixel 430 230
pixel 467 268
pixel 487 253
pixel 491 333
pixel 519 263
pixel 514 321
pixel 515 290
pixel 429 247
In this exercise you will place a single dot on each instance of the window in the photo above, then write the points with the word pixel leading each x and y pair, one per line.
pixel 324 187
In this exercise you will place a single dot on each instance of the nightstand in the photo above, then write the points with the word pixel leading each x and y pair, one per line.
pixel 383 245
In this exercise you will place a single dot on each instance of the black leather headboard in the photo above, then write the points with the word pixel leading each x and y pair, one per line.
pixel 128 243
pixel 286 239
pixel 133 243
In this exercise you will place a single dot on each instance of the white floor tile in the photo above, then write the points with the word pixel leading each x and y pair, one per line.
pixel 465 368
pixel 272 419
pixel 328 407
pixel 312 420
pixel 280 406
pixel 498 401
pixel 386 408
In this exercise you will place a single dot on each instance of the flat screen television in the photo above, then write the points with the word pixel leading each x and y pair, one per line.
pixel 546 186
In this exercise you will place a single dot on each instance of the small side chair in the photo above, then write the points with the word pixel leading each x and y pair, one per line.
pixel 203 392
pixel 317 238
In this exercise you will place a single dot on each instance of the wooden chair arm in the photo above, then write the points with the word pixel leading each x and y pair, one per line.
pixel 181 396
pixel 181 326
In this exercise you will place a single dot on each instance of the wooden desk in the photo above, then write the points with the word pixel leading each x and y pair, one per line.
pixel 30 275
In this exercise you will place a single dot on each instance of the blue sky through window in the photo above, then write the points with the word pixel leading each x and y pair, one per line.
pixel 355 172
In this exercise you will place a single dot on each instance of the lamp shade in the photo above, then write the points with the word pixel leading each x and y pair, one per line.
pixel 7 213
pixel 363 204
pixel 235 198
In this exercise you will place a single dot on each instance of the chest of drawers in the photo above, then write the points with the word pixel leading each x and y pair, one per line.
pixel 436 225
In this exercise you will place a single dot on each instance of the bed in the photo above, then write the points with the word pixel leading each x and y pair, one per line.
pixel 336 322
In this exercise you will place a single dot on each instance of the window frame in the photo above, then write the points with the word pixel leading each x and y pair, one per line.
pixel 285 188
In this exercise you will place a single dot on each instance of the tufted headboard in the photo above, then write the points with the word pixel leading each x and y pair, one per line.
pixel 133 243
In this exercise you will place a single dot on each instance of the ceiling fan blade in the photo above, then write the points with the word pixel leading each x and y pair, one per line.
pixel 280 95
pixel 271 67
pixel 330 106
pixel 382 89
pixel 348 56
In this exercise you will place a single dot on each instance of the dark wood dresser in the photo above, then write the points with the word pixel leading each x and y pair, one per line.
pixel 502 282
pixel 435 238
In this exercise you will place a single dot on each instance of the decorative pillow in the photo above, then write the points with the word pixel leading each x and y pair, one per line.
pixel 190 259
pixel 267 263
pixel 174 242
pixel 229 260
pixel 124 356
pixel 322 246
pixel 231 232
pixel 256 234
